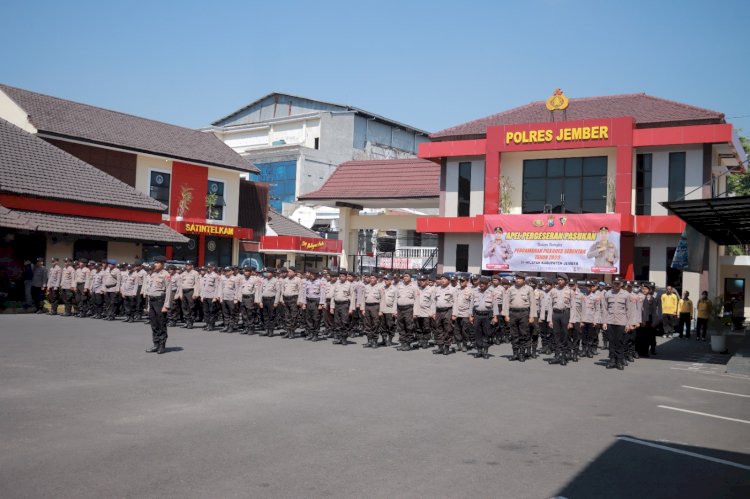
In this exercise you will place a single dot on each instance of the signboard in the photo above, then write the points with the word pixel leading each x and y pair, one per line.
pixel 211 229
pixel 299 244
pixel 552 242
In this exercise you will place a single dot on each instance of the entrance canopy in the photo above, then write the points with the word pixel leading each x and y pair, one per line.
pixel 725 221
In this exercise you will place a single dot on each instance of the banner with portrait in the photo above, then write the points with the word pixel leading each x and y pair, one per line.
pixel 552 242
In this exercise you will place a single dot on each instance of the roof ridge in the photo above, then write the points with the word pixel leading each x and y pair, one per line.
pixel 4 86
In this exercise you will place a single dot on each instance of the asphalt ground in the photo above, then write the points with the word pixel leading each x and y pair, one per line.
pixel 85 413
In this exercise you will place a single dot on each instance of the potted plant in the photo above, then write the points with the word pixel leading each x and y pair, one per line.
pixel 186 197
pixel 719 321
pixel 211 212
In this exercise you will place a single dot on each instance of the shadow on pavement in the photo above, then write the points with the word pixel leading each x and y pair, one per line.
pixel 633 467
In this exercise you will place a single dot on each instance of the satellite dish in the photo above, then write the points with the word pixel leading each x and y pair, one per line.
pixel 305 216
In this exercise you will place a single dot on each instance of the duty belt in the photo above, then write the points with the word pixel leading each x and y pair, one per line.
pixel 373 303
pixel 559 310
pixel 290 297
pixel 444 309
pixel 481 312
pixel 520 309
pixel 313 299
pixel 247 296
pixel 404 307
pixel 339 302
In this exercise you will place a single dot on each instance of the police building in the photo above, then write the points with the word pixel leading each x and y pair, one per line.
pixel 576 185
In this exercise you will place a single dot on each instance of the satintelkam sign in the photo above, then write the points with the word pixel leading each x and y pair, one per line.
pixel 554 242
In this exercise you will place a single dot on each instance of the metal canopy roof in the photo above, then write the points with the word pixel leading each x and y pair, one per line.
pixel 725 221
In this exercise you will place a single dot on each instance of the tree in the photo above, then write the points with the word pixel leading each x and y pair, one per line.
pixel 739 183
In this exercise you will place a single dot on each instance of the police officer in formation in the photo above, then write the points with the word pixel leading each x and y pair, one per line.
pixel 466 310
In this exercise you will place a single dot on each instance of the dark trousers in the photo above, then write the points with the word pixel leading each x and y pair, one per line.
pixel 328 317
pixel 545 333
pixel 269 313
pixel 684 325
pixel 575 337
pixel 628 343
pixel 209 312
pixel 188 303
pixel 701 327
pixel 98 304
pixel 113 302
pixel 482 329
pixel 312 317
pixel 405 324
pixel 341 319
pixel 68 297
pixel 444 327
pixel 668 321
pixel 289 313
pixel 589 337
pixel 462 331
pixel 53 295
pixel 616 342
pixel 175 310
pixel 139 303
pixel 560 322
pixel 371 320
pixel 37 298
pixel 228 308
pixel 129 305
pixel 81 299
pixel 247 310
pixel 387 326
pixel 520 336
pixel 423 329
pixel 158 320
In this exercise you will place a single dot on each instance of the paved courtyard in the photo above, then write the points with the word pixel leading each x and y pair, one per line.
pixel 85 413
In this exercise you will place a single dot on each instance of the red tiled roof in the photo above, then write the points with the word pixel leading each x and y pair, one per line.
pixel 388 179
pixel 648 111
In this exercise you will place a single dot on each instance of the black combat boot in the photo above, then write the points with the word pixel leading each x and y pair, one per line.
pixel 611 364
pixel 153 349
pixel 563 358
pixel 189 325
pixel 368 344
pixel 388 341
pixel 515 354
pixel 619 365
pixel 446 349
pixel 438 350
pixel 486 352
pixel 533 352
pixel 162 348
pixel 225 329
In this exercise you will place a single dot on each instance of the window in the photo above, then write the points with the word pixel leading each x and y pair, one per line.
pixel 159 186
pixel 643 184
pixel 317 143
pixel 462 258
pixel 216 212
pixel 641 263
pixel 464 189
pixel 565 185
pixel 676 176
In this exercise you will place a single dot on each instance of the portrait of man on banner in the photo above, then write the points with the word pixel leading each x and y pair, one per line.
pixel 604 252
pixel 496 252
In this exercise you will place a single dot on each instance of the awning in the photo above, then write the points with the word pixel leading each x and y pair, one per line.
pixel 91 227
pixel 725 221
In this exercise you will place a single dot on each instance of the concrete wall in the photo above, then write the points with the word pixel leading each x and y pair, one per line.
pixel 448 256
pixel 476 201
pixel 61 249
pixel 660 173
pixel 271 108
pixel 123 251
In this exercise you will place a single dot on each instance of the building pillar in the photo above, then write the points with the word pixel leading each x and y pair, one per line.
pixel 201 250
pixel 492 183
pixel 348 237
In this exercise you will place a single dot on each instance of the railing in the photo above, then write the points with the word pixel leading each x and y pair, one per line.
pixel 414 251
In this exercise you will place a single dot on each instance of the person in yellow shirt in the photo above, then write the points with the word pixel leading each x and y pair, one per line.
pixel 669 301
pixel 704 312
pixel 685 309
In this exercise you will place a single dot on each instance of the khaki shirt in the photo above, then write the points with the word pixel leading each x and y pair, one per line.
pixel 559 299
pixel 590 311
pixel 250 288
pixel 520 297
pixel 445 297
pixel 269 288
pixel 425 304
pixel 189 280
pixel 82 275
pixel 159 286
pixel 342 291
pixel 55 276
pixel 618 309
pixel 388 301
pixel 96 282
pixel 371 293
pixel 129 285
pixel 228 289
pixel 484 301
pixel 210 286
pixel 68 278
pixel 406 294
pixel 462 304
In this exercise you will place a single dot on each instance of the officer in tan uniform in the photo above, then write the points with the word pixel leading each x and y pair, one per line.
pixel 463 330
pixel 53 286
pixel 160 299
pixel 129 291
pixel 342 306
pixel 68 286
pixel 372 296
pixel 81 276
pixel 290 291
pixel 189 282
pixel 445 301
pixel 249 298
pixel 229 295
pixel 269 299
pixel 519 310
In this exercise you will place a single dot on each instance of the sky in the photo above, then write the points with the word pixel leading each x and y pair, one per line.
pixel 431 64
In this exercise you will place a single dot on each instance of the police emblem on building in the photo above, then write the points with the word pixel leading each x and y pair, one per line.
pixel 557 101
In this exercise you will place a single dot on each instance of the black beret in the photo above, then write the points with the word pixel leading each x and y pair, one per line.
pixel 388 277
pixel 211 265
pixel 562 276
pixel 160 258
pixel 484 279
pixel 618 279
pixel 520 275
pixel 83 260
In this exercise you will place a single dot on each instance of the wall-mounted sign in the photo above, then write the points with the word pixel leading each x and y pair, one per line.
pixel 545 135
pixel 210 230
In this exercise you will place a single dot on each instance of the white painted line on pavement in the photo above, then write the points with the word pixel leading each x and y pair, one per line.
pixel 715 391
pixel 704 414
pixel 685 452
